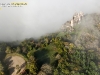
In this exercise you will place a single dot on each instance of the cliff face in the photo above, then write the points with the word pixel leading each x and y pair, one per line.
pixel 68 26
pixel 87 31
pixel 81 19
pixel 89 34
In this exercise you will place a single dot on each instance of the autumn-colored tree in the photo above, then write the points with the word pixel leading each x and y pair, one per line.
pixel 8 49
pixel 46 68
pixel 18 50
pixel 1 69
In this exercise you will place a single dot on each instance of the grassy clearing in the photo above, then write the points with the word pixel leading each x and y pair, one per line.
pixel 13 59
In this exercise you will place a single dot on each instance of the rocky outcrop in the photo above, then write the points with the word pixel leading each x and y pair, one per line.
pixel 68 26
pixel 46 69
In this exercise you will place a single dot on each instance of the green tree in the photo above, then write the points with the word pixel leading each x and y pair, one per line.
pixel 32 66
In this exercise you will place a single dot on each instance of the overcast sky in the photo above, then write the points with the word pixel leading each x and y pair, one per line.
pixel 40 16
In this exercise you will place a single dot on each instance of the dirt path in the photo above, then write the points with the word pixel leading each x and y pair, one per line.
pixel 12 61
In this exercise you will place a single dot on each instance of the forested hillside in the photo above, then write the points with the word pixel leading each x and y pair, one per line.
pixel 60 53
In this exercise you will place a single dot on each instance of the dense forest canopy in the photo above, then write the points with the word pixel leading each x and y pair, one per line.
pixel 59 53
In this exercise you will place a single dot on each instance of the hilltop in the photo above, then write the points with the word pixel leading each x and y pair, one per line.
pixel 73 50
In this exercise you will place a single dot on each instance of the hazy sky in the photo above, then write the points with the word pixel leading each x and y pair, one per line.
pixel 40 16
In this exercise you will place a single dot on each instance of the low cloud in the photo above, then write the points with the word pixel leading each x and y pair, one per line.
pixel 40 17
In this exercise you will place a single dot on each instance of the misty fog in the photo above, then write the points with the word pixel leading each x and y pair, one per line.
pixel 40 17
